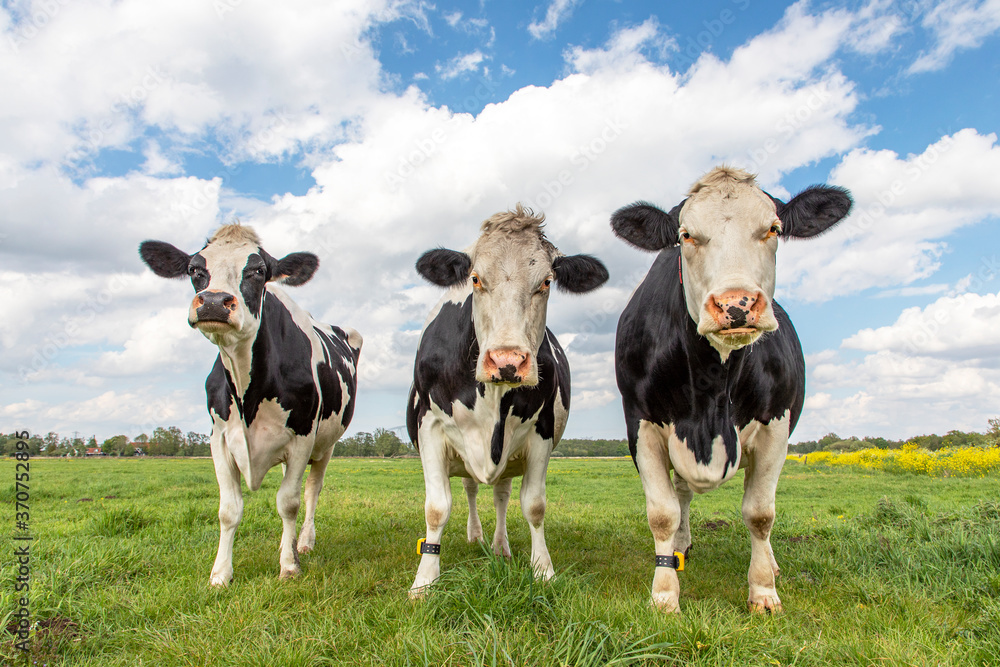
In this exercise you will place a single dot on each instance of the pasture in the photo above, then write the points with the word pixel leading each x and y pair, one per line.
pixel 876 569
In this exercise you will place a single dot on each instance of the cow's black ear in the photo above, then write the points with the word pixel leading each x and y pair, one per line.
pixel 579 273
pixel 165 260
pixel 647 227
pixel 813 211
pixel 295 269
pixel 444 267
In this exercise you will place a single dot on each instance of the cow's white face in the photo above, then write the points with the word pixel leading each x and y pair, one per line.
pixel 229 276
pixel 729 238
pixel 510 270
pixel 728 231
pixel 511 275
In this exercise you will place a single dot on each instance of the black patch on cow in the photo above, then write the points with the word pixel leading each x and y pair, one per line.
pixel 445 370
pixel 253 282
pixel 737 316
pixel 198 270
pixel 646 226
pixel 336 352
pixel 579 273
pixel 444 267
pixel 165 260
pixel 219 390
pixel 813 211
pixel 669 374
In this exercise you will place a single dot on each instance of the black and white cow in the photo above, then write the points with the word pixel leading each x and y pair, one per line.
pixel 491 385
pixel 709 366
pixel 283 386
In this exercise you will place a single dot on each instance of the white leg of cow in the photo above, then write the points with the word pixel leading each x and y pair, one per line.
pixel 230 506
pixel 288 500
pixel 437 507
pixel 682 538
pixel 314 484
pixel 766 455
pixel 663 512
pixel 474 528
pixel 533 504
pixel 501 498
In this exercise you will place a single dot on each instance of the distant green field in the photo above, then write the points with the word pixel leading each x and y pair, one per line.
pixel 876 569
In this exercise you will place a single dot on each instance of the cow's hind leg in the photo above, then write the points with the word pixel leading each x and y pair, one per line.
pixel 501 498
pixel 682 538
pixel 533 504
pixel 663 511
pixel 230 505
pixel 437 506
pixel 314 484
pixel 474 528
pixel 766 449
pixel 288 500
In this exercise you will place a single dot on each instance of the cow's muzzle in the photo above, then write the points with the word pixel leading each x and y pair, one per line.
pixel 507 366
pixel 213 308
pixel 737 312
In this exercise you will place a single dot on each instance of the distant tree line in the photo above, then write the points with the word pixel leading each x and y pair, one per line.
pixel 831 442
pixel 170 441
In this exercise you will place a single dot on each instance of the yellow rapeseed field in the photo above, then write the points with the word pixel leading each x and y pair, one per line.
pixel 946 462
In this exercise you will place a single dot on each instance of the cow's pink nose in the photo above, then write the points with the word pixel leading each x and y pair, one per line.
pixel 734 309
pixel 507 365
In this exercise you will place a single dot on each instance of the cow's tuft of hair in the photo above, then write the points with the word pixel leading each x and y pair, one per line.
pixel 517 220
pixel 235 233
pixel 646 226
pixel 724 179
pixel 579 273
pixel 444 267
pixel 165 260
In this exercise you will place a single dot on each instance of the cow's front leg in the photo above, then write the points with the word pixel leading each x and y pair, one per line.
pixel 437 507
pixel 288 500
pixel 533 504
pixel 474 527
pixel 230 505
pixel 501 499
pixel 766 452
pixel 314 484
pixel 663 511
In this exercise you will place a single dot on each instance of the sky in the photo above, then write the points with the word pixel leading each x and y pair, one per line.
pixel 368 131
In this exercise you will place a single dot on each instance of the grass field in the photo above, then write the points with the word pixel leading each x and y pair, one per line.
pixel 876 569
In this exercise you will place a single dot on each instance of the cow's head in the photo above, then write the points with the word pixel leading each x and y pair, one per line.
pixel 728 230
pixel 228 275
pixel 510 270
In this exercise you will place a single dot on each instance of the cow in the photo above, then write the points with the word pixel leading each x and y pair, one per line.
pixel 282 388
pixel 709 367
pixel 491 384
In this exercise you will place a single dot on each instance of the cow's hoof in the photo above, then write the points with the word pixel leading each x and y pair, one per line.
pixel 765 604
pixel 289 573
pixel 220 580
pixel 502 550
pixel 304 548
pixel 418 592
pixel 474 535
pixel 665 602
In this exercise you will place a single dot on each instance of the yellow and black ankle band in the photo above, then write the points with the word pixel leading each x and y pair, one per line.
pixel 425 547
pixel 676 561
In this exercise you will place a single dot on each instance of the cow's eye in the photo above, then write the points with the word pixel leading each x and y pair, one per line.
pixel 774 230
pixel 545 285
pixel 687 238
pixel 475 280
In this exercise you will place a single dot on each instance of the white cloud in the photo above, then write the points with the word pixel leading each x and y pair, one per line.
pixel 956 25
pixel 624 49
pixel 904 209
pixel 556 13
pixel 460 64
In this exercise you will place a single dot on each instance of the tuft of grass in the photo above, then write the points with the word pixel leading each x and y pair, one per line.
pixel 121 522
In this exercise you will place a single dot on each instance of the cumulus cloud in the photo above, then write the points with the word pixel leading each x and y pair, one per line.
pixel 956 25
pixel 557 12
pixel 460 64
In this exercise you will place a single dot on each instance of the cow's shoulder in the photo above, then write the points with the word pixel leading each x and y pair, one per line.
pixel 772 378
pixel 281 367
pixel 444 369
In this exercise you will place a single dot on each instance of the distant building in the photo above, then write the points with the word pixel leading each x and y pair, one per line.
pixel 94 451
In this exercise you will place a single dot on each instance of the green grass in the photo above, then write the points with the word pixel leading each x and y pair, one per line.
pixel 876 569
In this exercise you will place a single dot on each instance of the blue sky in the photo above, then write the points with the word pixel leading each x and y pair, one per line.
pixel 370 131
